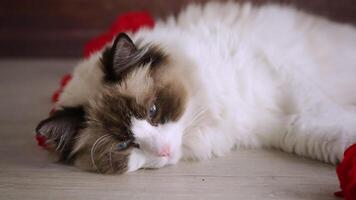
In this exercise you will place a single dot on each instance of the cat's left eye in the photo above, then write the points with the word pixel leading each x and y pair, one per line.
pixel 122 145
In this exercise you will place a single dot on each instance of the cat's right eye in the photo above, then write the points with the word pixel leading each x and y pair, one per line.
pixel 152 111
pixel 151 114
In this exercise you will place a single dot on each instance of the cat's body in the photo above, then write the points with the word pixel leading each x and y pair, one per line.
pixel 234 75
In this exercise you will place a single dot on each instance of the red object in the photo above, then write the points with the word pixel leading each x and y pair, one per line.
pixel 41 140
pixel 56 95
pixel 65 79
pixel 96 44
pixel 346 171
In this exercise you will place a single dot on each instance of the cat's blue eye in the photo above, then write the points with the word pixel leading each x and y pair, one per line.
pixel 122 145
pixel 152 111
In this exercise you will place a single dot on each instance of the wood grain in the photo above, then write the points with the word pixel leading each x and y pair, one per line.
pixel 27 173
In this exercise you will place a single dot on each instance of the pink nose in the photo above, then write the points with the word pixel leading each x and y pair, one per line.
pixel 165 151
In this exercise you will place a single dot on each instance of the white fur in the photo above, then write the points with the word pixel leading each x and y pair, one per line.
pixel 152 139
pixel 258 77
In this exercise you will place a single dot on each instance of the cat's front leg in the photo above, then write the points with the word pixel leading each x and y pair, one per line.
pixel 204 142
pixel 139 159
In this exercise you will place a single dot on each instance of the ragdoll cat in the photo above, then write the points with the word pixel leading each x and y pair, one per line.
pixel 218 77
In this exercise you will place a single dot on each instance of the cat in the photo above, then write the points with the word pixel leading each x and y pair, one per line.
pixel 216 78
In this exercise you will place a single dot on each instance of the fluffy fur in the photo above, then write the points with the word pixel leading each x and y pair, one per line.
pixel 235 76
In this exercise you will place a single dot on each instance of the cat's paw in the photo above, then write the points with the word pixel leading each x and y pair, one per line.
pixel 139 159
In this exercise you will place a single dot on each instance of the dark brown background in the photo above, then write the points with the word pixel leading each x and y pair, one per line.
pixel 59 28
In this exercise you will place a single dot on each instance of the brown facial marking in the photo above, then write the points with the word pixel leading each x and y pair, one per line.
pixel 111 112
pixel 108 126
pixel 98 153
pixel 170 103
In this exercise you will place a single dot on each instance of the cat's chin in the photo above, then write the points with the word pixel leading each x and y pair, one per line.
pixel 139 159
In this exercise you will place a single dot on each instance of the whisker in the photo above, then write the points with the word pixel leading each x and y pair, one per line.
pixel 92 151
pixel 196 116
pixel 60 143
pixel 199 113
pixel 76 137
pixel 110 157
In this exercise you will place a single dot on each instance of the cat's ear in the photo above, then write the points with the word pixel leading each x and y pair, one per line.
pixel 119 58
pixel 58 132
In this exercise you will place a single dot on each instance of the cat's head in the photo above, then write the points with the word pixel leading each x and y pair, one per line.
pixel 133 122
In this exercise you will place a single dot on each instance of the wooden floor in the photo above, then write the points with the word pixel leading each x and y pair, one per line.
pixel 27 173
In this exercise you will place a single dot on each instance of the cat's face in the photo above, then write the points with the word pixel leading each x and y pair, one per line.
pixel 134 122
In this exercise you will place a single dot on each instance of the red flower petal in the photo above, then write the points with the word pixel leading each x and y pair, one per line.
pixel 65 79
pixel 346 172
pixel 56 95
pixel 41 140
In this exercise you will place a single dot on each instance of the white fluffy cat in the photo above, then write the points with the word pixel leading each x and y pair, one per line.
pixel 248 77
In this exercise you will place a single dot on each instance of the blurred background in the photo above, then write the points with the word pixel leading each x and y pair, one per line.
pixel 60 28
